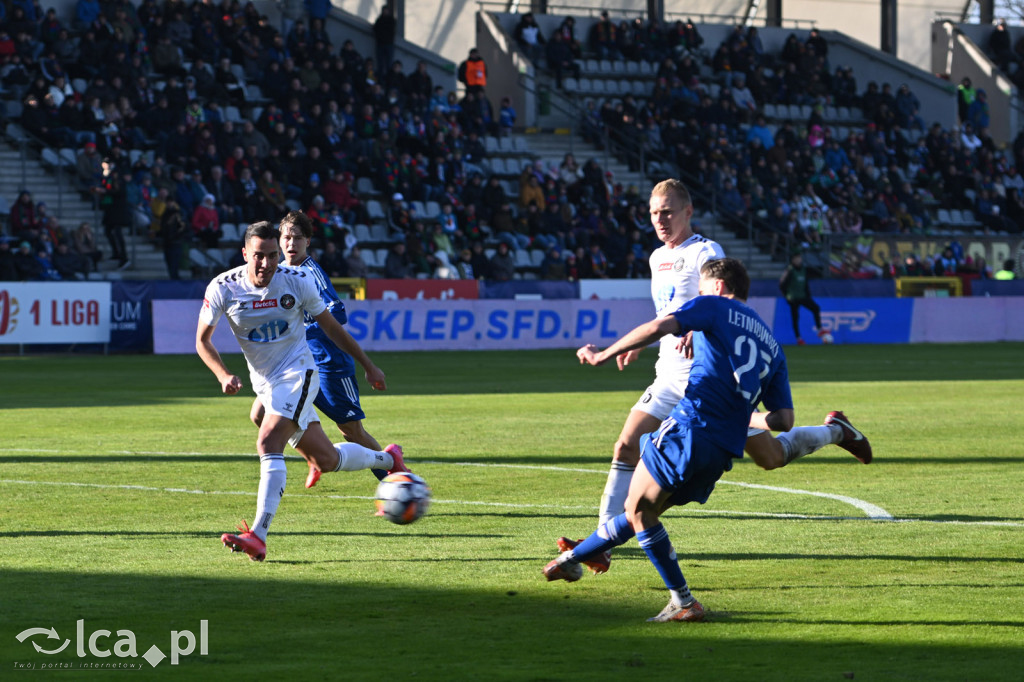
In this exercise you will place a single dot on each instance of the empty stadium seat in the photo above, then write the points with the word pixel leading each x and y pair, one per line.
pixel 379 233
pixel 365 186
pixel 361 232
pixel 375 210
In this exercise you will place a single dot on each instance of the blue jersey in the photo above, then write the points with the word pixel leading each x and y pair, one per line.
pixel 737 363
pixel 328 357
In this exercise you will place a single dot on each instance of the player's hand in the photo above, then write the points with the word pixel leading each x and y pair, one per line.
pixel 685 346
pixel 624 359
pixel 375 377
pixel 230 384
pixel 588 355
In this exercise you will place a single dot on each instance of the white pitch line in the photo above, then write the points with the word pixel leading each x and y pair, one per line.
pixel 686 511
pixel 873 512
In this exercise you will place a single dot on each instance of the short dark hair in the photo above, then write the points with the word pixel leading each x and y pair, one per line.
pixel 732 273
pixel 261 230
pixel 300 220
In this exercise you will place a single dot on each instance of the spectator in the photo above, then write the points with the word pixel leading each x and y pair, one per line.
pixel 1007 272
pixel 397 265
pixel 503 264
pixel 206 223
pixel 332 261
pixel 978 111
pixel 528 36
pixel 8 270
pixel 27 267
pixel 356 265
pixel 604 38
pixel 965 94
pixel 473 73
pixel 506 117
pixel 560 59
pixel 1000 49
pixel 384 30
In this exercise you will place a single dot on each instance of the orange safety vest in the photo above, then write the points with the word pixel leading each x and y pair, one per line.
pixel 476 73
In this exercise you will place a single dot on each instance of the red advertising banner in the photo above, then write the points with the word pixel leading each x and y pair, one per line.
pixel 422 289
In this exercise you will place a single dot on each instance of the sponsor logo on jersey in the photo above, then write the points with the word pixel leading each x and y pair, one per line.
pixel 287 301
pixel 664 266
pixel 259 305
pixel 206 303
pixel 679 265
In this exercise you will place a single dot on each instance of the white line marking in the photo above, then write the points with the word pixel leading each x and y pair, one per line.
pixel 872 511
pixel 688 511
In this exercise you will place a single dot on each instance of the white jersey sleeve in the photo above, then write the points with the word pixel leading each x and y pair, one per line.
pixel 675 277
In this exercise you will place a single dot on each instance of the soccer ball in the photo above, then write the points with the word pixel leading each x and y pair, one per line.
pixel 826 338
pixel 402 497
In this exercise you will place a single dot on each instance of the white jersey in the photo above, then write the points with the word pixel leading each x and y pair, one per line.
pixel 675 276
pixel 267 321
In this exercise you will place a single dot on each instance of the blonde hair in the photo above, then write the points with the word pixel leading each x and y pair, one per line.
pixel 673 186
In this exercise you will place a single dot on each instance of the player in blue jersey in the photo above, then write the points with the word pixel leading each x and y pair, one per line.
pixel 339 391
pixel 737 365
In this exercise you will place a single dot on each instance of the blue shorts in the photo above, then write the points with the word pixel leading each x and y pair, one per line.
pixel 339 398
pixel 684 460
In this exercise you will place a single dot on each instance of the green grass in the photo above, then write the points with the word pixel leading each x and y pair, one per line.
pixel 118 474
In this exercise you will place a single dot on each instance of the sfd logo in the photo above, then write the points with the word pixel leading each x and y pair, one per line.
pixel 8 312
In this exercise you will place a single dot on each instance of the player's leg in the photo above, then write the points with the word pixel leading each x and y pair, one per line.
pixel 648 497
pixel 794 316
pixel 274 432
pixel 339 400
pixel 257 412
pixel 355 432
pixel 654 405
pixel 770 452
pixel 625 458
pixel 315 445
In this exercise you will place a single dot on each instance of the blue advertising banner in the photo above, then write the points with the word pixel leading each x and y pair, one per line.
pixel 850 320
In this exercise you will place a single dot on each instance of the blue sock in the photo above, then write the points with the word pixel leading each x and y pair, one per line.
pixel 610 534
pixel 659 550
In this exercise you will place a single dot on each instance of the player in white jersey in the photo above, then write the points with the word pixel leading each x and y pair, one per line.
pixel 264 306
pixel 675 277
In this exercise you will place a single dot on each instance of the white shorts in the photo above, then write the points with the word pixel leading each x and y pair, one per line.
pixel 291 395
pixel 661 397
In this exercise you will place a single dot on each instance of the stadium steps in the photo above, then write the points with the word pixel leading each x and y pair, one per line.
pixel 552 147
pixel 63 200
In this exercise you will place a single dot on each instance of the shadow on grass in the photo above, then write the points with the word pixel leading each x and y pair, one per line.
pixel 259 623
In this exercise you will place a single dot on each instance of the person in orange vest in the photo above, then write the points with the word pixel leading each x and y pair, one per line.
pixel 473 72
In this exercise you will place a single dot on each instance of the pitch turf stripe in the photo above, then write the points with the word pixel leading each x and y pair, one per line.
pixel 683 511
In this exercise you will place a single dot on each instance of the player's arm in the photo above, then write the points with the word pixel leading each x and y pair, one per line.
pixel 229 383
pixel 343 340
pixel 640 337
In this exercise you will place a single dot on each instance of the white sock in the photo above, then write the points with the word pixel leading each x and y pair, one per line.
pixel 354 457
pixel 273 475
pixel 613 501
pixel 803 440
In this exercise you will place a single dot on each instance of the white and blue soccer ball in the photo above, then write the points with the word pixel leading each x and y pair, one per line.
pixel 827 338
pixel 402 497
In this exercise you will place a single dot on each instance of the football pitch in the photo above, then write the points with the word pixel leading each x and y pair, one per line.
pixel 119 474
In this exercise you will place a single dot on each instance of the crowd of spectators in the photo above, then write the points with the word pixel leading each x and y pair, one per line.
pixel 797 182
pixel 170 79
